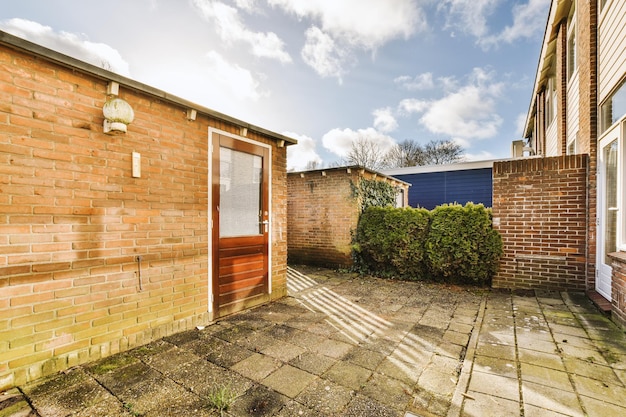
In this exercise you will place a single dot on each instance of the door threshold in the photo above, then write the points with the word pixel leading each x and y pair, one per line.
pixel 600 302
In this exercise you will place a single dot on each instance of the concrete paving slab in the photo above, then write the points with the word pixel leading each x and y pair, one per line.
pixel 171 360
pixel 364 406
pixel 283 351
pixel 326 397
pixel 313 363
pixel 600 390
pixel 204 378
pixel 388 391
pixel 332 348
pixel 542 396
pixel 547 360
pixel 496 366
pixel 348 374
pixel 533 411
pixel 256 366
pixel 288 380
pixel 599 407
pixel 258 401
pixel 366 358
pixel 479 404
pixel 495 385
pixel 495 350
pixel 545 376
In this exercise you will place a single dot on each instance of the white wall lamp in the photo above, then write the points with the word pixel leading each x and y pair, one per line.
pixel 117 113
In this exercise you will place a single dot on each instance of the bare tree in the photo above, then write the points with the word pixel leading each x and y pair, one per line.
pixel 439 152
pixel 312 164
pixel 407 153
pixel 367 153
pixel 436 152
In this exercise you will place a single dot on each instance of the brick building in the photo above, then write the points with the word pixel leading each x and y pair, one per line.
pixel 323 211
pixel 111 240
pixel 576 127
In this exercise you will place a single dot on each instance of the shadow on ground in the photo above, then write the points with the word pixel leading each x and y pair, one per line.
pixel 344 345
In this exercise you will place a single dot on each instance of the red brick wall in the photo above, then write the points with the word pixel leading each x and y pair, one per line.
pixel 323 212
pixel 73 220
pixel 618 288
pixel 540 209
pixel 587 22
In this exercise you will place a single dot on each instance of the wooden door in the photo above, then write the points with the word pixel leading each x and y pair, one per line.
pixel 240 194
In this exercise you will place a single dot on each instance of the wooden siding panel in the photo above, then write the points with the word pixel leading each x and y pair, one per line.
pixel 611 48
pixel 552 139
pixel 572 109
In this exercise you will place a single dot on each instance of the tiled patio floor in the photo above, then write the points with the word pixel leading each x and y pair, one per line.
pixel 341 345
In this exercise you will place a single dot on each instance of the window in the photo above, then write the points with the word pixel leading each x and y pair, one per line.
pixel 613 108
pixel 572 63
pixel 400 197
pixel 571 145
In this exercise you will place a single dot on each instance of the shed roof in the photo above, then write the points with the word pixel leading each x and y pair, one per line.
pixel 50 55
pixel 458 166
pixel 349 169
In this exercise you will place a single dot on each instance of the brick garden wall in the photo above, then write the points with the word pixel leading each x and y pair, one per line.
pixel 322 214
pixel 540 209
pixel 618 288
pixel 73 220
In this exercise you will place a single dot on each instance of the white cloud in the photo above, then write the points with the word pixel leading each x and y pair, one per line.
pixel 464 113
pixel 247 5
pixel 300 155
pixel 472 17
pixel 468 16
pixel 339 28
pixel 71 44
pixel 520 123
pixel 469 113
pixel 340 141
pixel 419 82
pixel 322 54
pixel 238 81
pixel 384 120
pixel 528 21
pixel 368 26
pixel 480 156
pixel 231 28
pixel 412 105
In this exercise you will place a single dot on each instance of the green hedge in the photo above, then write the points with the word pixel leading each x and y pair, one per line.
pixel 451 243
pixel 391 241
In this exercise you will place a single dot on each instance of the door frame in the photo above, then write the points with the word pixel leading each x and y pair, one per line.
pixel 212 300
pixel 602 269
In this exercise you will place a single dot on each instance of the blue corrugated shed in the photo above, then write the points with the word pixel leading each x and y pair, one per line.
pixel 454 183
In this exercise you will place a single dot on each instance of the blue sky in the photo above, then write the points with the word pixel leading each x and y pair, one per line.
pixel 326 72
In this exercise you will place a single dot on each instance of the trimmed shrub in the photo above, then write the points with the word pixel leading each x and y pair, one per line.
pixel 462 245
pixel 451 243
pixel 390 242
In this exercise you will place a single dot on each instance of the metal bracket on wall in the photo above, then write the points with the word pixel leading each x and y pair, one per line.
pixel 138 259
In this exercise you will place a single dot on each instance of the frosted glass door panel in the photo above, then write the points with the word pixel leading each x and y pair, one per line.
pixel 240 193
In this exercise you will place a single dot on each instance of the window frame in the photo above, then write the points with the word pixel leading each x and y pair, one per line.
pixel 571 54
pixel 605 112
pixel 621 193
